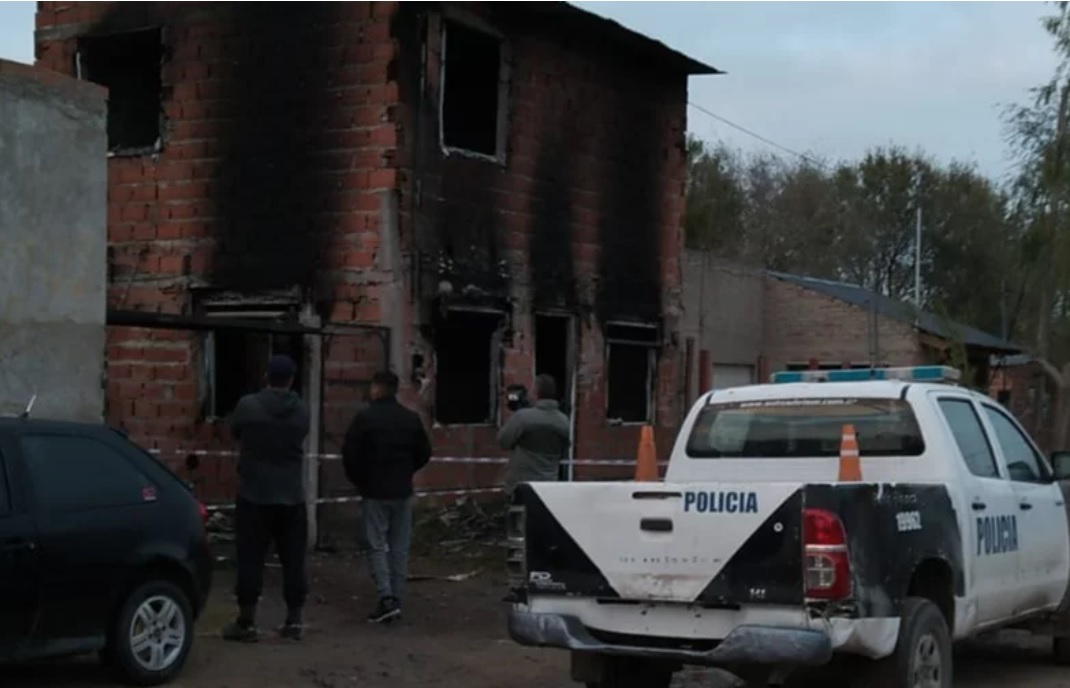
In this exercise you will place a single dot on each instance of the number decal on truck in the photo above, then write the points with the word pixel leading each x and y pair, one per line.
pixel 906 521
pixel 721 502
pixel 997 535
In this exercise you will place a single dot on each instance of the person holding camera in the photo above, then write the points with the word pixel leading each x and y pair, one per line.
pixel 536 435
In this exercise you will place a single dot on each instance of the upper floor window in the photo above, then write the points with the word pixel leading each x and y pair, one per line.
pixel 473 91
pixel 128 65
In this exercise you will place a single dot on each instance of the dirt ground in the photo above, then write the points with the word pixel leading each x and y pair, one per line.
pixel 453 635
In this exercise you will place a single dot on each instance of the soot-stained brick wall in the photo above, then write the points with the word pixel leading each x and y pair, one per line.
pixel 276 144
pixel 284 123
pixel 583 215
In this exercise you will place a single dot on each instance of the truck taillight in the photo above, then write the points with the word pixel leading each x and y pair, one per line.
pixel 827 568
pixel 516 561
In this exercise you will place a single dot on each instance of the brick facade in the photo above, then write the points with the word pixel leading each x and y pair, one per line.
pixel 300 161
pixel 801 324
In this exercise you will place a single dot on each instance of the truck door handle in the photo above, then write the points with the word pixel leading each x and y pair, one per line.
pixel 979 506
pixel 1026 506
pixel 18 546
pixel 656 525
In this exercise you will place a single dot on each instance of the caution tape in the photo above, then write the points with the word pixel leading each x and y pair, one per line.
pixel 223 453
pixel 353 499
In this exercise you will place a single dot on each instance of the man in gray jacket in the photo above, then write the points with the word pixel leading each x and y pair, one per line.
pixel 537 436
pixel 271 426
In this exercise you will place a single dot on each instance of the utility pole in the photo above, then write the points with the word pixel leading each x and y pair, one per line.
pixel 917 268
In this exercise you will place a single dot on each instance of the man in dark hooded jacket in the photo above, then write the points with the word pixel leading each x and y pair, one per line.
pixel 271 426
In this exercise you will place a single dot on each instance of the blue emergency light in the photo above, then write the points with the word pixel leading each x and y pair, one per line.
pixel 930 373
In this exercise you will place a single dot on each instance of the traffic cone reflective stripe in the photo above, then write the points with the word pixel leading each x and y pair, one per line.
pixel 646 459
pixel 850 460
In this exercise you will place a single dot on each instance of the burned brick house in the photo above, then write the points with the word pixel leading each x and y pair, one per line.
pixel 467 193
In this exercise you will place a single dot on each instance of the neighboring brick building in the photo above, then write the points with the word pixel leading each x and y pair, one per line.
pixel 743 324
pixel 466 191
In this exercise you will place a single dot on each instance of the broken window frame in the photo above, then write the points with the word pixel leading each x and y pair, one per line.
pixel 264 308
pixel 650 339
pixel 80 74
pixel 470 21
pixel 495 370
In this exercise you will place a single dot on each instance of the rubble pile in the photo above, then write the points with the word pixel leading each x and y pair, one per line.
pixel 462 524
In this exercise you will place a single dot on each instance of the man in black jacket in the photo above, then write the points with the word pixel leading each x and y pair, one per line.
pixel 271 427
pixel 386 444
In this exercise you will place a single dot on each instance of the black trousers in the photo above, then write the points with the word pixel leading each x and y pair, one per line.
pixel 257 527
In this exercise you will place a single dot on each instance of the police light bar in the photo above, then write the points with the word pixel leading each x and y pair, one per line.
pixel 907 374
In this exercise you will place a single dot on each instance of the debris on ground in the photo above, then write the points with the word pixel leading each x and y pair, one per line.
pixel 461 524
pixel 220 527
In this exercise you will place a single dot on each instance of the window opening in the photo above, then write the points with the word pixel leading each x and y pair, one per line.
pixel 466 351
pixel 631 352
pixel 236 363
pixel 128 65
pixel 552 353
pixel 471 90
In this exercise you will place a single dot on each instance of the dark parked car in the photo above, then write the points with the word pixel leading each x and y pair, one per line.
pixel 102 549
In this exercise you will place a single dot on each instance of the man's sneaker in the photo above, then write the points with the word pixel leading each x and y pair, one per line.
pixel 292 631
pixel 387 611
pixel 239 632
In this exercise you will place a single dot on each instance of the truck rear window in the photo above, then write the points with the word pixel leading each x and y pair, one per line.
pixel 804 428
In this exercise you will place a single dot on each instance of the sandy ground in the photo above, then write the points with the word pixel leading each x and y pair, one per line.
pixel 453 635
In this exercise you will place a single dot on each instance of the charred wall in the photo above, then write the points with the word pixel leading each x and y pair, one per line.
pixel 581 212
pixel 276 136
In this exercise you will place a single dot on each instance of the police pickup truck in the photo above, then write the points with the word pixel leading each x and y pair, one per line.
pixel 758 556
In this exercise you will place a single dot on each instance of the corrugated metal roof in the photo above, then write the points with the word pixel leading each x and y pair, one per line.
pixel 891 308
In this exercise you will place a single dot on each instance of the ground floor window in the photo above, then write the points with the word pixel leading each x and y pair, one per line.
pixel 631 363
pixel 467 365
pixel 235 363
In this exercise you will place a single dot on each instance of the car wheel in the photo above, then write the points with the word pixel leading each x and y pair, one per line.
pixel 152 635
pixel 922 657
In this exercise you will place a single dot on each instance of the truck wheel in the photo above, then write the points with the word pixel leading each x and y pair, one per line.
pixel 1060 649
pixel 922 657
pixel 628 672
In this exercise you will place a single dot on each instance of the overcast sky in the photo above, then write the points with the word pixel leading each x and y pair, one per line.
pixel 829 78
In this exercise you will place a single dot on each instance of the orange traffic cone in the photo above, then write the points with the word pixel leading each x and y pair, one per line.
pixel 646 460
pixel 850 463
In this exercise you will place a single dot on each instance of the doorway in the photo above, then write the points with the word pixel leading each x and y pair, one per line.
pixel 555 356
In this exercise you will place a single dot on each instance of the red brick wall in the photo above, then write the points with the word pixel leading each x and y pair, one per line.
pixel 174 225
pixel 801 324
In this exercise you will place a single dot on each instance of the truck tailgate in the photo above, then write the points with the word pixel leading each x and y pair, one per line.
pixel 715 544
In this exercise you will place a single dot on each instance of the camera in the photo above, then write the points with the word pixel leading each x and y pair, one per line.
pixel 516 397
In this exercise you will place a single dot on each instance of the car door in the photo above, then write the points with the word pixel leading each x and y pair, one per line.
pixel 1044 543
pixel 19 590
pixel 89 502
pixel 991 559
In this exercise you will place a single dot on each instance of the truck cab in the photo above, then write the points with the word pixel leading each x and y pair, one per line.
pixel 761 554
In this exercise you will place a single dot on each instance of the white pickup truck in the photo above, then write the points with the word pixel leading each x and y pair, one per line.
pixel 754 556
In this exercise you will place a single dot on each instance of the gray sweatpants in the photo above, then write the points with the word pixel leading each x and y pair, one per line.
pixel 388 536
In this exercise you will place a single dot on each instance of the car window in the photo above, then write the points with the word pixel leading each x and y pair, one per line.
pixel 71 473
pixel 804 428
pixel 970 437
pixel 1023 463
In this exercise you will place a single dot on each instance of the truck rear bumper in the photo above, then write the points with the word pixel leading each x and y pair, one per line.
pixel 746 644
